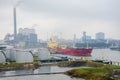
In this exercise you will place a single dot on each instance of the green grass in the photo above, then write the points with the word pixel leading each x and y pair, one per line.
pixel 98 71
pixel 14 65
pixel 72 63
pixel 35 58
pixel 10 66
pixel 36 64
pixel 94 64
pixel 89 73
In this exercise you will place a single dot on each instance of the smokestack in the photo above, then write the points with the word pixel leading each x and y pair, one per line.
pixel 15 26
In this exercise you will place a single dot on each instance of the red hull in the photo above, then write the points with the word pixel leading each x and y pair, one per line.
pixel 74 52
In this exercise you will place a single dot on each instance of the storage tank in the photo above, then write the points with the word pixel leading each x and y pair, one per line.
pixel 24 56
pixel 2 57
pixel 10 54
pixel 43 54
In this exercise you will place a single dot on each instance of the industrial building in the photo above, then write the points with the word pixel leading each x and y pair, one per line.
pixel 26 37
pixel 86 38
pixel 100 36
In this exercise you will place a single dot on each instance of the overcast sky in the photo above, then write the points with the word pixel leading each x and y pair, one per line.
pixel 62 17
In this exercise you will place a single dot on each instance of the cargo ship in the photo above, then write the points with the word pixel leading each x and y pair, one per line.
pixel 55 48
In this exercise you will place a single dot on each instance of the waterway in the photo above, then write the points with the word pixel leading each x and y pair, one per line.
pixel 43 69
pixel 107 54
pixel 41 77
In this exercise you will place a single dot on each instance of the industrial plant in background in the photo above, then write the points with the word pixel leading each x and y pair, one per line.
pixel 26 38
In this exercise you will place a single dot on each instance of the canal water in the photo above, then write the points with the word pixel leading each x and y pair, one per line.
pixel 107 54
pixel 41 77
pixel 43 69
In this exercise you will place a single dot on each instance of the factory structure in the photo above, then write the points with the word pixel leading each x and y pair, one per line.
pixel 25 37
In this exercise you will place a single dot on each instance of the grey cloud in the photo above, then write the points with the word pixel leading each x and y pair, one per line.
pixel 66 13
pixel 95 9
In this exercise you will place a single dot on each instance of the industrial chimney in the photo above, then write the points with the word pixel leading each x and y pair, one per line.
pixel 15 26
